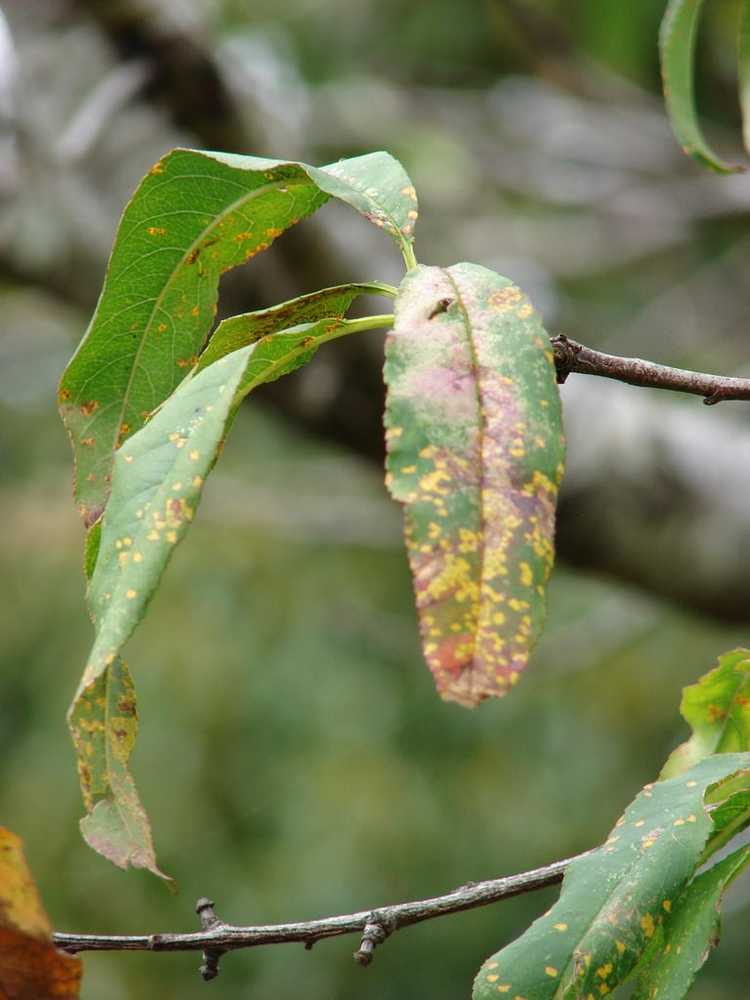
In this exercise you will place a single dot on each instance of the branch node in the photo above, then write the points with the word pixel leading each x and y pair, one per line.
pixel 716 397
pixel 565 352
pixel 376 930
pixel 205 910
pixel 209 921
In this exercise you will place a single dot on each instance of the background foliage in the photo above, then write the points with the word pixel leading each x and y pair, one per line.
pixel 293 757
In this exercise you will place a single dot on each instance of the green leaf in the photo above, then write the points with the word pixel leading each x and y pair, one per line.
pixel 158 478
pixel 194 216
pixel 239 331
pixel 690 931
pixel 717 709
pixel 615 899
pixel 677 37
pixel 743 52
pixel 475 453
pixel 104 725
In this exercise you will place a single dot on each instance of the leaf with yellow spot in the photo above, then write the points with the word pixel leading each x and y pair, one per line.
pixel 104 725
pixel 475 454
pixel 611 905
pixel 249 328
pixel 689 934
pixel 31 968
pixel 158 478
pixel 717 709
pixel 194 216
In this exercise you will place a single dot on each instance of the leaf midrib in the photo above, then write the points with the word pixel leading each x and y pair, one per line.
pixel 482 427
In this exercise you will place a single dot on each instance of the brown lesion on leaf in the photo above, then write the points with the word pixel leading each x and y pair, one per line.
pixel 63 395
pixel 197 251
pixel 90 407
pixel 187 362
pixel 716 713
pixel 88 442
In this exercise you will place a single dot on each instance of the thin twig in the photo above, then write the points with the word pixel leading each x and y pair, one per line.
pixel 570 356
pixel 220 936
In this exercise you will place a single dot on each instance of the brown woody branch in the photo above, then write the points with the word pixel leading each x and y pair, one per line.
pixel 216 937
pixel 570 356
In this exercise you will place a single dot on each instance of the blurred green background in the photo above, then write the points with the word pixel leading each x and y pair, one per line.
pixel 293 756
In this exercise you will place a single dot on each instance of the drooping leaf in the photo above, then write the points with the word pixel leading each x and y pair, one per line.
pixel 104 724
pixel 689 933
pixel 475 453
pixel 158 478
pixel 239 331
pixel 743 52
pixel 616 898
pixel 194 216
pixel 677 38
pixel 31 968
pixel 717 709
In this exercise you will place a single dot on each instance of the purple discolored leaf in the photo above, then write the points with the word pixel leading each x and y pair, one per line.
pixel 475 453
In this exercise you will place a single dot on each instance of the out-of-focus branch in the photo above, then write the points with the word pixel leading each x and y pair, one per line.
pixel 185 77
pixel 570 356
pixel 374 926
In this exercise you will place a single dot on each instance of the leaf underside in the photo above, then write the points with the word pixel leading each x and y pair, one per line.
pixel 677 38
pixel 616 902
pixel 158 479
pixel 194 216
pixel 475 454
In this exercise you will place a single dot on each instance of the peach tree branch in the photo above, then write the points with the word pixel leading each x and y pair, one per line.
pixel 373 926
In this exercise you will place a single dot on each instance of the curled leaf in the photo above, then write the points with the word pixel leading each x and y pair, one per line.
pixel 677 38
pixel 475 454
pixel 104 725
pixel 157 483
pixel 248 328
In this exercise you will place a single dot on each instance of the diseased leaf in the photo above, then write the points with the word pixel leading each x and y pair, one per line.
pixel 677 37
pixel 158 478
pixel 104 725
pixel 717 709
pixel 475 453
pixel 615 899
pixel 31 968
pixel 239 331
pixel 194 216
pixel 689 933
pixel 287 350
